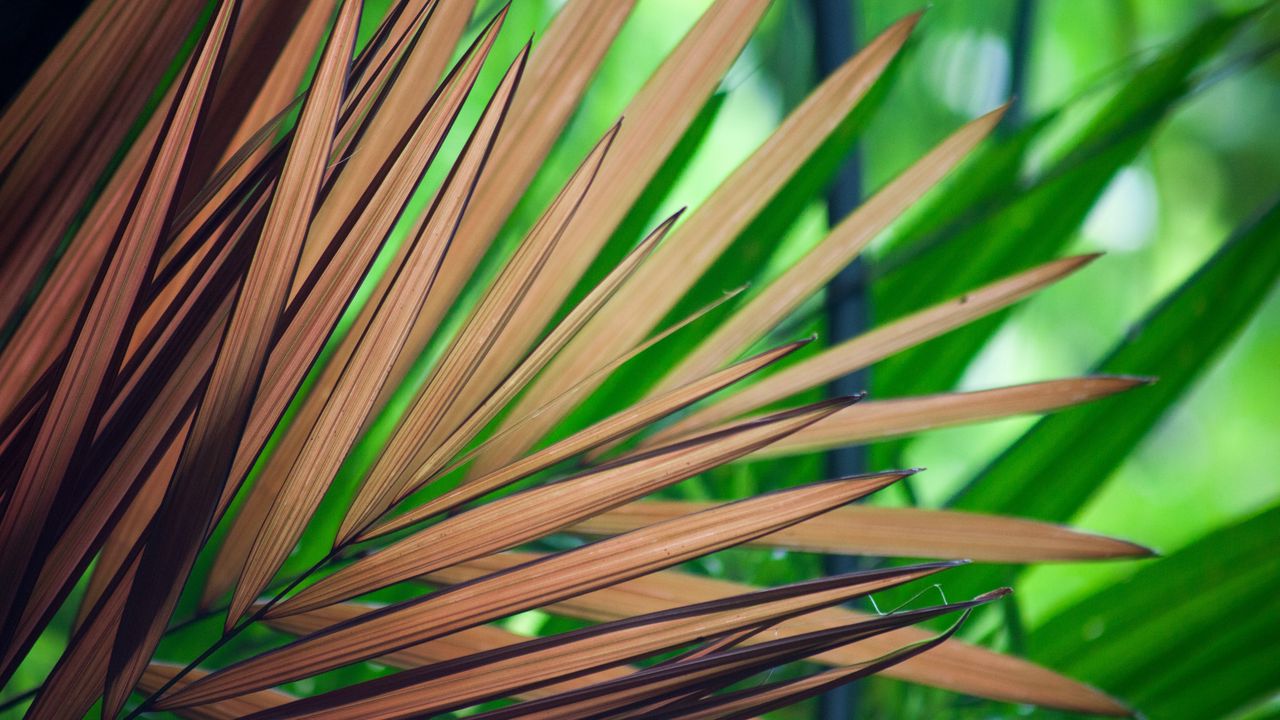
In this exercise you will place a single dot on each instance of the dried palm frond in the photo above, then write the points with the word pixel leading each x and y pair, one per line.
pixel 235 323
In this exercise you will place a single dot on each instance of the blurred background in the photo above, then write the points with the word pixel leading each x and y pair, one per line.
pixel 1142 129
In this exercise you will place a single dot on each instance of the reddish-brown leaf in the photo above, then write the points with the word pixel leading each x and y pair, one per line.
pixel 541 661
pixel 898 532
pixel 551 579
pixel 422 512
pixel 330 288
pixel 188 508
pixel 564 59
pixel 875 345
pixel 158 674
pixel 686 682
pixel 464 643
pixel 70 419
pixel 709 229
pixel 519 518
pixel 955 666
pixel 615 426
pixel 393 477
pixel 79 124
pixel 903 416
pixel 310 326
pixel 351 400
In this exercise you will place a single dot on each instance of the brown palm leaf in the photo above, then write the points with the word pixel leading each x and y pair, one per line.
pixel 274 338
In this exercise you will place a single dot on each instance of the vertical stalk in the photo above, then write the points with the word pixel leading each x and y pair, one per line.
pixel 1019 55
pixel 848 300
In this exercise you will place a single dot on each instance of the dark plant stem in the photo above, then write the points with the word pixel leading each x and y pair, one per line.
pixel 847 304
pixel 1019 62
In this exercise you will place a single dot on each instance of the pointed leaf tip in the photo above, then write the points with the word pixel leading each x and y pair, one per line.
pixel 991 595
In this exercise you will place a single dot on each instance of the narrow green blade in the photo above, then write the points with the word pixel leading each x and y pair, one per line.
pixel 1195 635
